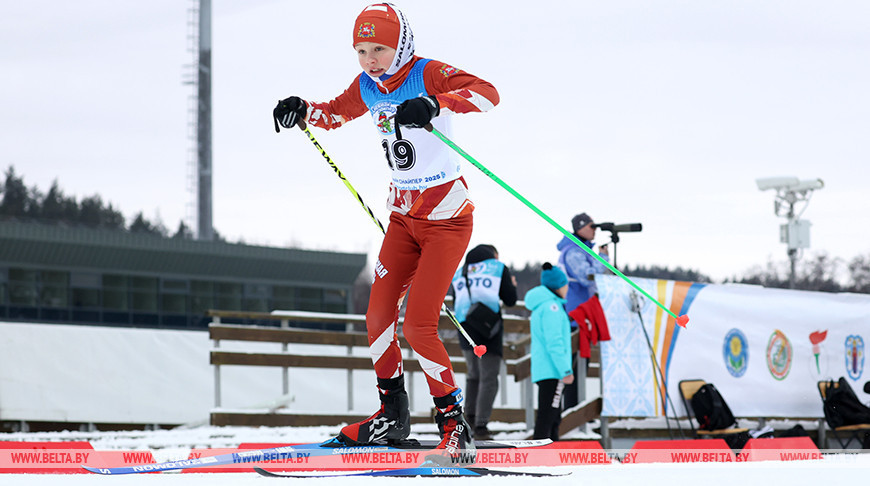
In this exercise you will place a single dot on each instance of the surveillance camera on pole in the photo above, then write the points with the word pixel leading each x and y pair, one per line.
pixel 777 183
pixel 790 191
pixel 808 185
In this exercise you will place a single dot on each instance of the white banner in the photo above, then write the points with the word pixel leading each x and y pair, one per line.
pixel 764 349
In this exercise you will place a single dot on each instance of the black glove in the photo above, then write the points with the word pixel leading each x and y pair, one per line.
pixel 417 112
pixel 288 112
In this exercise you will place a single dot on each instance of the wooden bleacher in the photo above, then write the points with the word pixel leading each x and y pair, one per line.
pixel 516 345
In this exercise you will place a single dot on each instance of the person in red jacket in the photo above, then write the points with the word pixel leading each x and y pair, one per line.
pixel 430 218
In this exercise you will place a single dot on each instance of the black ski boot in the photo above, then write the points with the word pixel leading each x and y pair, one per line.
pixel 390 424
pixel 457 446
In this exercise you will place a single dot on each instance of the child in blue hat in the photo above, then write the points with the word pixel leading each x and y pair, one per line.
pixel 551 348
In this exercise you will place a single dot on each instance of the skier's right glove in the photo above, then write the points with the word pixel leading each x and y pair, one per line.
pixel 288 112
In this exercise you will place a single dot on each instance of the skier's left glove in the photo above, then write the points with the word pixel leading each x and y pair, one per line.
pixel 417 112
pixel 289 111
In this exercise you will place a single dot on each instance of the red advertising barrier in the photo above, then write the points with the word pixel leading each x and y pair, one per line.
pixel 571 453
pixel 68 457
pixel 44 457
pixel 63 457
pixel 338 461
pixel 781 449
pixel 699 450
pixel 200 453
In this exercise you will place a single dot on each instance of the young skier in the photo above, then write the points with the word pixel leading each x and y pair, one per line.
pixel 430 218
pixel 551 348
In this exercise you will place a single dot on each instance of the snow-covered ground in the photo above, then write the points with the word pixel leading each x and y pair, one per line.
pixel 762 473
pixel 175 444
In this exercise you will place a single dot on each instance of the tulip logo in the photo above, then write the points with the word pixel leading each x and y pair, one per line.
pixel 816 339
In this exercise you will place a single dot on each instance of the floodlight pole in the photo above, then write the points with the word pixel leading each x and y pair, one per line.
pixel 205 230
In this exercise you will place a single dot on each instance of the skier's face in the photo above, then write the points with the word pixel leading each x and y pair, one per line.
pixel 375 59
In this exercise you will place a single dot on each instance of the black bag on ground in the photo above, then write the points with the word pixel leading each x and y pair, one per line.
pixel 710 409
pixel 842 406
pixel 481 322
pixel 737 441
pixel 796 431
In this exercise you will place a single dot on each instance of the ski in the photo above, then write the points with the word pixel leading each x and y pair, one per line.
pixel 300 451
pixel 436 472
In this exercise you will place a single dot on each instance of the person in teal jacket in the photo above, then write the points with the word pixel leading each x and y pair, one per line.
pixel 551 348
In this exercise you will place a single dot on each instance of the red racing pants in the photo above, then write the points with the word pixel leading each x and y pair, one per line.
pixel 427 254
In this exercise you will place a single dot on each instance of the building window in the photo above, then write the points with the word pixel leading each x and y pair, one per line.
pixel 86 298
pixel 256 298
pixel 201 296
pixel 229 296
pixel 47 294
pixel 115 293
pixel 84 280
pixel 310 299
pixel 85 290
pixel 54 291
pixel 283 298
pixel 3 286
pixel 173 286
pixel 173 303
pixel 143 294
pixel 23 286
pixel 335 301
pixel 173 296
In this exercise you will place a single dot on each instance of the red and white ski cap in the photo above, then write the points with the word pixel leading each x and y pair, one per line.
pixel 384 23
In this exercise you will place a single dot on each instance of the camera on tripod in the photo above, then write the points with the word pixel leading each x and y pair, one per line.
pixel 615 229
pixel 620 228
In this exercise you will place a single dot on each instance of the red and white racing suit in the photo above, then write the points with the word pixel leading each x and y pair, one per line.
pixel 430 219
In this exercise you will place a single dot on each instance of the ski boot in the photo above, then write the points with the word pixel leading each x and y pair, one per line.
pixel 389 425
pixel 457 446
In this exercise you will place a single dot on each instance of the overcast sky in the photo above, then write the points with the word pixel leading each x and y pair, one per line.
pixel 658 112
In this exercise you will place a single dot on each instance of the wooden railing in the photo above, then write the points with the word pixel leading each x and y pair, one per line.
pixel 517 362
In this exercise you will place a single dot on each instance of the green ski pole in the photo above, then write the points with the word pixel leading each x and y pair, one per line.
pixel 681 320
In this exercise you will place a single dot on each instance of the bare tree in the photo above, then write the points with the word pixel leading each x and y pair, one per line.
pixel 817 272
pixel 859 274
